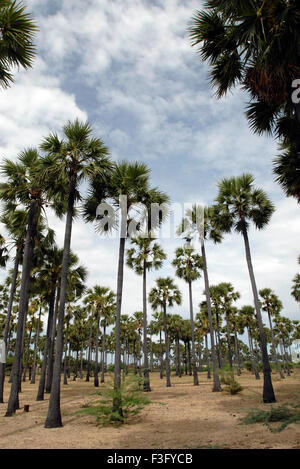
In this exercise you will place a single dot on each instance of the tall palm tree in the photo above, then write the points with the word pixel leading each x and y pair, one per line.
pixel 200 220
pixel 17 34
pixel 164 294
pixel 254 44
pixel 128 188
pixel 15 223
pixel 142 257
pixel 240 203
pixel 271 304
pixel 77 157
pixel 25 186
pixel 188 265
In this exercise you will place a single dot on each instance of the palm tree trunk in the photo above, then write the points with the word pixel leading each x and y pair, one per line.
pixel 96 379
pixel 253 359
pixel 237 353
pixel 41 388
pixel 66 354
pixel 216 385
pixel 161 375
pixel 53 419
pixel 147 387
pixel 207 358
pixel 274 348
pixel 229 344
pixel 88 371
pixel 168 378
pixel 37 336
pixel 103 353
pixel 7 321
pixel 268 391
pixel 195 374
pixel 117 376
pixel 219 341
pixel 50 362
pixel 28 352
pixel 23 303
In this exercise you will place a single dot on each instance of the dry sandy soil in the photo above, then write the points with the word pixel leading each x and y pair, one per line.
pixel 179 417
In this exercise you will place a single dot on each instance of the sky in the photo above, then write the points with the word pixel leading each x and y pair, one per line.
pixel 128 67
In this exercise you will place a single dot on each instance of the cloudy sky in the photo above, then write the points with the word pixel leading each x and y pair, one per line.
pixel 127 66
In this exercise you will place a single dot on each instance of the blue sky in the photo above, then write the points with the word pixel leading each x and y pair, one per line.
pixel 128 67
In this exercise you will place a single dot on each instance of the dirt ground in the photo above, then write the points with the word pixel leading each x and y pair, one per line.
pixel 182 416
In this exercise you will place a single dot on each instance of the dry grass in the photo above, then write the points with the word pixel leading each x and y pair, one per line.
pixel 179 417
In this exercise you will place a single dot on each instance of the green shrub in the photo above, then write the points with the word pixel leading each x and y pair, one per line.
pixel 234 387
pixel 282 414
pixel 132 401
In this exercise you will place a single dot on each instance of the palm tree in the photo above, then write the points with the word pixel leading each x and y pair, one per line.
pixel 254 45
pixel 128 188
pixel 17 34
pixel 271 304
pixel 108 318
pixel 228 295
pixel 188 265
pixel 165 294
pixel 296 288
pixel 239 203
pixel 15 224
pixel 142 257
pixel 100 299
pixel 25 185
pixel 247 319
pixel 287 168
pixel 69 161
pixel 201 221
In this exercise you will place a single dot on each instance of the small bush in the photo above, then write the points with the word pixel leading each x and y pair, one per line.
pixel 132 401
pixel 234 387
pixel 282 414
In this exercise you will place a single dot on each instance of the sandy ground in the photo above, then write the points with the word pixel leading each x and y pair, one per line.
pixel 179 417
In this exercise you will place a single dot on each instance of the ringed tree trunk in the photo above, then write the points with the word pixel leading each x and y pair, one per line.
pixel 216 385
pixel 103 353
pixel 168 379
pixel 41 388
pixel 274 348
pixel 96 379
pixel 32 221
pixel 219 352
pixel 207 358
pixel 117 404
pixel 88 371
pixel 66 353
pixel 161 375
pixel 268 391
pixel 37 336
pixel 7 321
pixel 253 358
pixel 229 344
pixel 237 353
pixel 147 387
pixel 53 419
pixel 195 374
pixel 50 362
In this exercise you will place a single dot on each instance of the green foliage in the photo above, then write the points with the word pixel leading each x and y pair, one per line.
pixel 285 414
pixel 234 387
pixel 132 401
